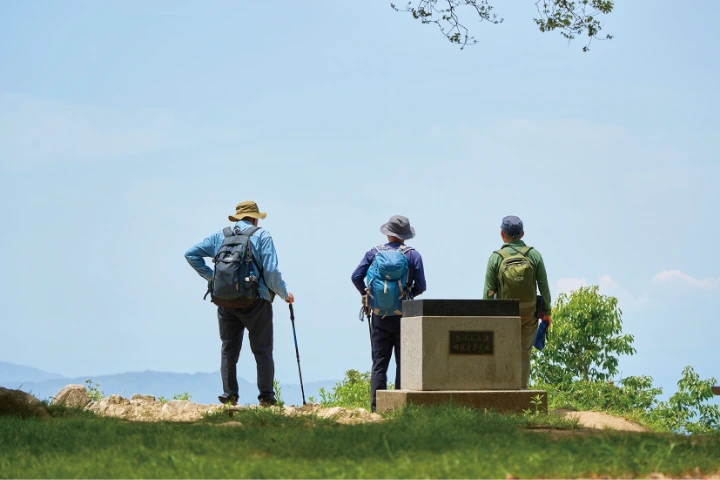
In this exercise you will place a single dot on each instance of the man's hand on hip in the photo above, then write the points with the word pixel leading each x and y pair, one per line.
pixel 366 307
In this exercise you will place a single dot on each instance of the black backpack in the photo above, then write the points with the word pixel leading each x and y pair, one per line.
pixel 236 276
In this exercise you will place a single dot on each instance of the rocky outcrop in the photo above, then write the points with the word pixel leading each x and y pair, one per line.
pixel 72 396
pixel 186 411
pixel 144 408
pixel 341 415
pixel 349 416
pixel 21 404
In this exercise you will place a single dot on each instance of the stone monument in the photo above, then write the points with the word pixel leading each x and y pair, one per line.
pixel 461 351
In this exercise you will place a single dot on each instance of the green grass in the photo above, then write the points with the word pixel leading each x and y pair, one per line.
pixel 446 442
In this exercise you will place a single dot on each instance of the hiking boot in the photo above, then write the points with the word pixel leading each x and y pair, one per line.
pixel 228 399
pixel 267 402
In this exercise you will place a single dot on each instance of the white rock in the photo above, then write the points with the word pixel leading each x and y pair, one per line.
pixel 73 396
pixel 115 400
pixel 186 411
pixel 332 412
pixel 144 398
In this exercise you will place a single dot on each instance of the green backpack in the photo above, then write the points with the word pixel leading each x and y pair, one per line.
pixel 517 279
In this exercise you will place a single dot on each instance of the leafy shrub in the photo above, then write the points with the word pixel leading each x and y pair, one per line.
pixel 352 392
pixel 93 390
pixel 687 410
pixel 627 395
pixel 578 365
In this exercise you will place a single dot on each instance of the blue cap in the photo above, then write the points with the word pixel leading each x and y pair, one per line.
pixel 512 225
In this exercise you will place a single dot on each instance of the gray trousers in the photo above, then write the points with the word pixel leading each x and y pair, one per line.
pixel 257 319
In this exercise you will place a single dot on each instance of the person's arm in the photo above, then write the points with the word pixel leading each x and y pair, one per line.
pixel 543 284
pixel 271 274
pixel 196 254
pixel 417 275
pixel 358 276
pixel 491 277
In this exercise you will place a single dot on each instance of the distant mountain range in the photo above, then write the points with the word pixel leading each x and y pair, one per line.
pixel 203 387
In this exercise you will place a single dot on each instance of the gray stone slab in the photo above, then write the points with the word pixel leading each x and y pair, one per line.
pixel 461 308
pixel 452 353
pixel 503 401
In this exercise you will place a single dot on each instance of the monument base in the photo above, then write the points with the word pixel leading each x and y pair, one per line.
pixel 503 401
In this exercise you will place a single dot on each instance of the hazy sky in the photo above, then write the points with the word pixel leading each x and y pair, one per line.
pixel 129 130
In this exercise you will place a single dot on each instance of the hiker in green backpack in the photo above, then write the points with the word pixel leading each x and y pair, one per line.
pixel 516 272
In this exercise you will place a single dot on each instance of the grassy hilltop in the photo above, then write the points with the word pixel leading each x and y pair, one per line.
pixel 578 368
pixel 446 442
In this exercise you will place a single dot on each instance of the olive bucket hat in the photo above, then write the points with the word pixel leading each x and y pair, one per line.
pixel 246 209
pixel 398 226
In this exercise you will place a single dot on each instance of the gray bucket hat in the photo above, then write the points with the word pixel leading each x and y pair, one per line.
pixel 398 226
pixel 512 225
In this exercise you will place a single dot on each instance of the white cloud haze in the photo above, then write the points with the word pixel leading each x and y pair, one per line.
pixel 677 277
pixel 607 285
pixel 36 130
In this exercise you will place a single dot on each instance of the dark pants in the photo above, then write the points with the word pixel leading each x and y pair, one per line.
pixel 385 340
pixel 257 319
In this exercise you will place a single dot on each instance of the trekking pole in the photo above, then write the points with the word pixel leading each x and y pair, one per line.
pixel 369 331
pixel 297 352
pixel 367 314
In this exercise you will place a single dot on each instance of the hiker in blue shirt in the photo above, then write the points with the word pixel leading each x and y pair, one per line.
pixel 394 272
pixel 256 313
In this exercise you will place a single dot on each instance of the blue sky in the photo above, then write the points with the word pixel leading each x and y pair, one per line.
pixel 129 130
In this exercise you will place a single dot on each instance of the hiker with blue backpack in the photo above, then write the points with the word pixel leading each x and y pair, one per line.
pixel 516 272
pixel 387 275
pixel 243 285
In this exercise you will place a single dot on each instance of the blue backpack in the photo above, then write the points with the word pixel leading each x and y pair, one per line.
pixel 387 280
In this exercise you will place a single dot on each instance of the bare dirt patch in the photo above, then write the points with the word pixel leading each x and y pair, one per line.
pixel 600 421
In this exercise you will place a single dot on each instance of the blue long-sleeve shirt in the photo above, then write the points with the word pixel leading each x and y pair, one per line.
pixel 263 252
pixel 416 272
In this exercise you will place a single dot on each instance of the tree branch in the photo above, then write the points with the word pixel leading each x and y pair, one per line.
pixel 570 17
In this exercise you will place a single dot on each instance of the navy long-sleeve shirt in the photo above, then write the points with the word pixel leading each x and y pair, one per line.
pixel 416 272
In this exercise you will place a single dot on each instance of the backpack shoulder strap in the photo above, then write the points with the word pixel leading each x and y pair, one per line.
pixel 404 249
pixel 249 232
pixel 228 232
pixel 521 251
pixel 515 249
pixel 503 253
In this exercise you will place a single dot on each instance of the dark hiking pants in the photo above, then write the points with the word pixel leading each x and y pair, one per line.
pixel 257 319
pixel 385 340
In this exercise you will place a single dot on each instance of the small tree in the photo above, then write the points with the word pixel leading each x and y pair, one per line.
pixel 689 410
pixel 585 341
